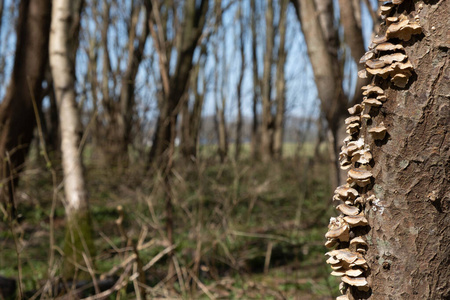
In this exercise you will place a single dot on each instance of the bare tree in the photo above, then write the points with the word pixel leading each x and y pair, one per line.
pixel 266 87
pixel 280 84
pixel 255 138
pixel 66 16
pixel 185 39
pixel 321 36
pixel 23 98
pixel 220 82
pixel 135 56
pixel 241 39
pixel 191 117
pixel 187 35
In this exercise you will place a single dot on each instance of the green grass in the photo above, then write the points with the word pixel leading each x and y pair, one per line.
pixel 233 210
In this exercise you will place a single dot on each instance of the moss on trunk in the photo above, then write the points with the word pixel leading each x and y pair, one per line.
pixel 78 240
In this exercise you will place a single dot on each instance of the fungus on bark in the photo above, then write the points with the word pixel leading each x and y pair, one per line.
pixel 378 132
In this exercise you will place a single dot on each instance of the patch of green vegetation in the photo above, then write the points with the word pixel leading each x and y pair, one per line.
pixel 229 213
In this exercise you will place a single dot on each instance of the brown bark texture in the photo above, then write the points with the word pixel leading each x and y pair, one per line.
pixel 409 241
pixel 17 115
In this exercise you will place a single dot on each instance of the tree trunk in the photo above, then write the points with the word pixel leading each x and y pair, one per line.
pixel 409 240
pixel 192 118
pixel 255 136
pixel 189 35
pixel 238 138
pixel 280 85
pixel 222 131
pixel 135 55
pixel 266 118
pixel 351 22
pixel 63 44
pixel 316 18
pixel 17 113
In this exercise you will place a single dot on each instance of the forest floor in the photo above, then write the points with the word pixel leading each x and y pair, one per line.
pixel 242 230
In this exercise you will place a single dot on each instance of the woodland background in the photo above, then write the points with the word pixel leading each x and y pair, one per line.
pixel 208 133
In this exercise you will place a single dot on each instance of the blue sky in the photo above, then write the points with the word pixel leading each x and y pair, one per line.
pixel 301 92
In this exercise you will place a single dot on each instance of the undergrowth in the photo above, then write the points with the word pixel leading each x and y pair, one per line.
pixel 243 230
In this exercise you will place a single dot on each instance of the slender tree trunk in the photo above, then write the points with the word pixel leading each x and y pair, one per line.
pixel 189 35
pixel 135 55
pixel 2 6
pixel 238 138
pixel 280 84
pixel 17 112
pixel 255 136
pixel 266 118
pixel 63 44
pixel 192 118
pixel 222 134
pixel 222 130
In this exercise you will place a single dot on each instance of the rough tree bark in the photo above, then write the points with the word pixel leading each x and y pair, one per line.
pixel 63 44
pixel 409 243
pixel 17 115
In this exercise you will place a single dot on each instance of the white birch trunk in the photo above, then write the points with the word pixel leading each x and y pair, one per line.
pixel 64 31
pixel 64 82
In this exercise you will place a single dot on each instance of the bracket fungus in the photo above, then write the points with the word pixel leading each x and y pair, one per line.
pixel 385 9
pixel 373 89
pixel 390 58
pixel 355 109
pixel 348 210
pixel 368 55
pixel 363 156
pixel 352 119
pixel 352 128
pixel 358 220
pixel 360 282
pixel 386 59
pixel 330 243
pixel 338 229
pixel 345 193
pixel 359 176
pixel 389 47
pixel 400 80
pixel 359 245
pixel 378 132
pixel 372 102
pixel 403 29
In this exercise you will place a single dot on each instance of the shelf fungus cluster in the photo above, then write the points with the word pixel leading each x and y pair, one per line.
pixel 386 59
